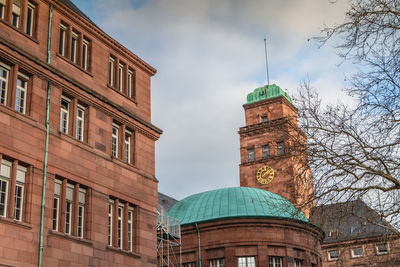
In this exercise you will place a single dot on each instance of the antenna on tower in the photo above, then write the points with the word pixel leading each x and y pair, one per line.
pixel 266 60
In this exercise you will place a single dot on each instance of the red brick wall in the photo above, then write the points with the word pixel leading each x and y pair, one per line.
pixel 88 163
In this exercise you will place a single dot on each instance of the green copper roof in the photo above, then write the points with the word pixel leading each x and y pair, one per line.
pixel 265 92
pixel 235 202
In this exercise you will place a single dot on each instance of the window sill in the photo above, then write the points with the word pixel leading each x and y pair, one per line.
pixel 32 38
pixel 122 94
pixel 16 223
pixel 17 114
pixel 71 237
pixel 74 64
pixel 120 161
pixel 124 252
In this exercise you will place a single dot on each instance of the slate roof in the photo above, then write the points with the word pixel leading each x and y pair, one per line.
pixel 352 220
pixel 76 9
pixel 165 201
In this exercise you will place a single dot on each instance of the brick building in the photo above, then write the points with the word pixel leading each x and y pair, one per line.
pixel 258 223
pixel 100 200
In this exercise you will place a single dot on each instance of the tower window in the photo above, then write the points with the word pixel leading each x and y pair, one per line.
pixel 251 154
pixel 357 252
pixel 265 151
pixel 264 119
pixel 281 148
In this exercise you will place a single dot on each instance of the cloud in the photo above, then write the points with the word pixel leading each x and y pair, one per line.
pixel 210 55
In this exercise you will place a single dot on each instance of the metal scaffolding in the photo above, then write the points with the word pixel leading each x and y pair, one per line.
pixel 169 247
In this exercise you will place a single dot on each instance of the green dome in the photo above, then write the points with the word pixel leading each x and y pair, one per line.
pixel 235 202
pixel 265 92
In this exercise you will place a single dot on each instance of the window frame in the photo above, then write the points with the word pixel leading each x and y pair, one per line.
pixel 266 148
pixel 354 250
pixel 275 261
pixel 110 221
pixel 16 14
pixel 69 203
pixel 19 183
pixel 66 113
pixel 330 258
pixel 111 69
pixel 251 157
pixel 80 130
pixel 22 89
pixel 217 262
pixel 3 6
pixel 120 226
pixel 115 140
pixel 62 39
pixel 30 19
pixel 56 207
pixel 130 228
pixel 74 46
pixel 246 262
pixel 85 54
pixel 4 80
pixel 281 148
pixel 80 228
pixel 378 252
pixel 127 144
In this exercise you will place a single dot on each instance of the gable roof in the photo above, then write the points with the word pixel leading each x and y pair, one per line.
pixel 351 220
pixel 72 6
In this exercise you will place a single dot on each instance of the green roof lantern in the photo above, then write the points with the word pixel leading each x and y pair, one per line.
pixel 234 202
pixel 267 92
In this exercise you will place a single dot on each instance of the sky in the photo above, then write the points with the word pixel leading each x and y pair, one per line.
pixel 209 54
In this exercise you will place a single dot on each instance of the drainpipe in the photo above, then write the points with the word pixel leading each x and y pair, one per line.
pixel 198 236
pixel 46 150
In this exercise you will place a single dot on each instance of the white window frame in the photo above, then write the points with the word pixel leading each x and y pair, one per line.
pixel 2 180
pixel 80 123
pixel 121 77
pixel 275 261
pixel 30 19
pixel 2 8
pixel 114 140
pixel 251 157
pixel 128 146
pixel 355 250
pixel 16 13
pixel 217 262
pixel 21 89
pixel 330 255
pixel 69 202
pixel 19 183
pixel 56 206
pixel 85 54
pixel 111 71
pixel 130 228
pixel 65 112
pixel 120 225
pixel 81 213
pixel 297 263
pixel 74 47
pixel 130 75
pixel 382 252
pixel 63 35
pixel 110 221
pixel 4 80
pixel 247 261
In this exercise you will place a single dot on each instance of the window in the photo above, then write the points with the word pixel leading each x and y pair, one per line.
pixel 117 232
pixel 64 114
pixel 2 8
pixel 4 70
pixel 297 263
pixel 121 77
pixel 357 252
pixel 68 208
pixel 85 54
pixel 281 148
pixel 128 136
pixel 30 15
pixel 74 44
pixel 110 221
pixel 382 249
pixel 333 255
pixel 264 119
pixel 114 140
pixel 250 154
pixel 56 203
pixel 247 262
pixel 265 151
pixel 80 122
pixel 217 263
pixel 275 261
pixel 63 31
pixel 20 98
pixel 19 193
pixel 16 13
pixel 131 83
pixel 190 264
pixel 81 211
pixel 111 71
pixel 130 229
pixel 8 178
pixel 74 197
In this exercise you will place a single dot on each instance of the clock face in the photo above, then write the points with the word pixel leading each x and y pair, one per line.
pixel 265 175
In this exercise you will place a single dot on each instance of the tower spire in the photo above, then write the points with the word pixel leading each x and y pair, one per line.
pixel 266 59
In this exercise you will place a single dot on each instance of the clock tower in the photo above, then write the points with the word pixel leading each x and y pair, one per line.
pixel 272 148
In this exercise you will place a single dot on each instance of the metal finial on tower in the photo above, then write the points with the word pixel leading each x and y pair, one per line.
pixel 266 60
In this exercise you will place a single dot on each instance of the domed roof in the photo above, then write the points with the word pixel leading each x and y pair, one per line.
pixel 267 92
pixel 235 202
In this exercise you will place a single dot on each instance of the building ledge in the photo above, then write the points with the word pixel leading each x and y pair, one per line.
pixel 10 221
pixel 125 252
pixel 70 237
